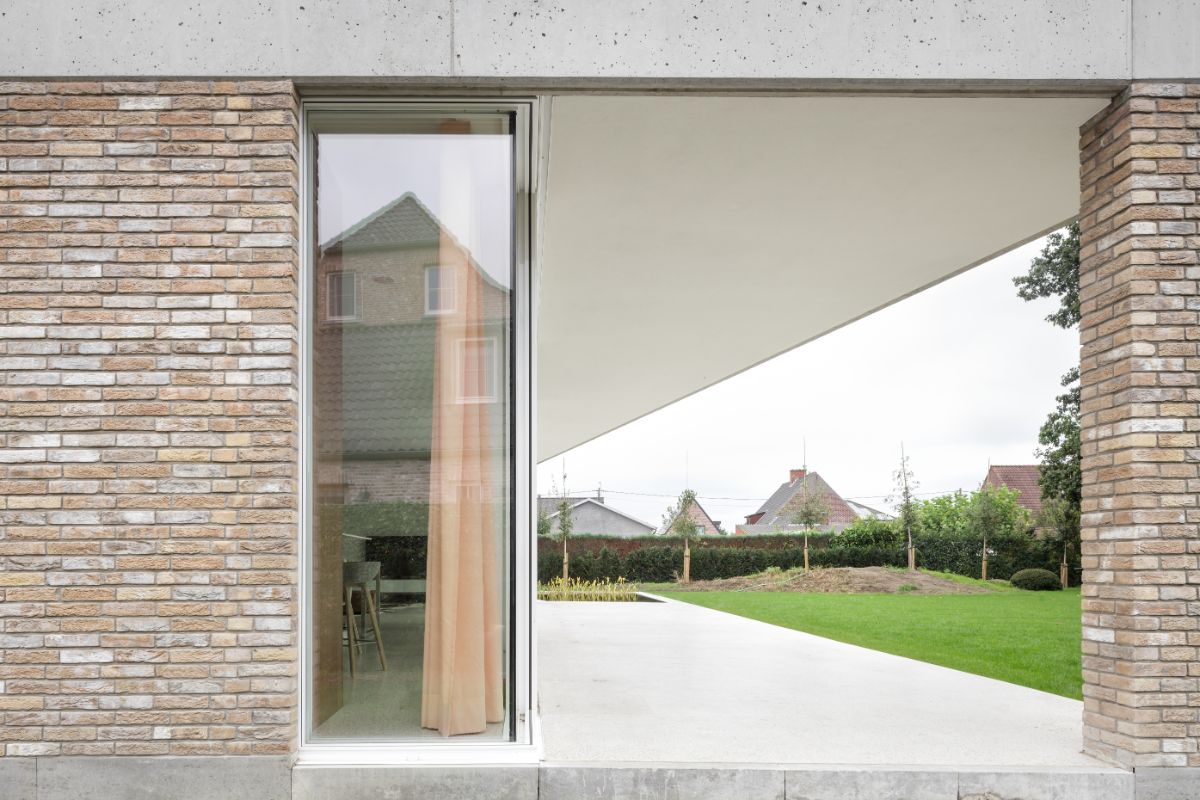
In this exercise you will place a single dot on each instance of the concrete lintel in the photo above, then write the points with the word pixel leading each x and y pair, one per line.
pixel 162 777
pixel 515 38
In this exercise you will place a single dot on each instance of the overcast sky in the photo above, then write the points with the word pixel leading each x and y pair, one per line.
pixel 466 181
pixel 979 372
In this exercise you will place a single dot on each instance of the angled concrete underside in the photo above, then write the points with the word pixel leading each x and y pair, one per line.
pixel 710 233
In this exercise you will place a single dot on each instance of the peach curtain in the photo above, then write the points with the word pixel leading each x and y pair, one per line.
pixel 462 687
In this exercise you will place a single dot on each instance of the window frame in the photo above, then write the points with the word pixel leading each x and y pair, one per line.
pixel 491 370
pixel 443 272
pixel 525 745
pixel 356 283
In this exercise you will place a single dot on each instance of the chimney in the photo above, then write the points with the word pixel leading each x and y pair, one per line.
pixel 796 475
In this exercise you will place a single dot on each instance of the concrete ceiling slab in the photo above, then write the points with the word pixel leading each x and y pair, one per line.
pixel 686 239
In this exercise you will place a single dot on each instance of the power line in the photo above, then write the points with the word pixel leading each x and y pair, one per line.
pixel 763 499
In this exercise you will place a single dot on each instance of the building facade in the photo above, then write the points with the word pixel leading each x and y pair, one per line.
pixel 172 593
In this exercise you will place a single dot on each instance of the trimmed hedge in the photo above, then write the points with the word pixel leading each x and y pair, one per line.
pixel 400 530
pixel 659 563
pixel 1036 580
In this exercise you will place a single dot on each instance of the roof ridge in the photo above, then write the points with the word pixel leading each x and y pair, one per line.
pixel 376 214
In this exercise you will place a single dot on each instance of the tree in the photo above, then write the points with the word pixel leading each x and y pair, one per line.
pixel 564 531
pixel 1061 474
pixel 994 511
pixel 543 523
pixel 811 511
pixel 678 522
pixel 1060 520
pixel 1055 273
pixel 906 506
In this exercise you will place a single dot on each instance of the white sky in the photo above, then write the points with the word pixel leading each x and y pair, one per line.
pixel 466 181
pixel 963 373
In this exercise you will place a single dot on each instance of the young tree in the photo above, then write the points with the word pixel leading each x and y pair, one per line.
pixel 678 522
pixel 811 511
pixel 1055 273
pixel 1061 520
pixel 543 523
pixel 906 505
pixel 564 531
pixel 986 514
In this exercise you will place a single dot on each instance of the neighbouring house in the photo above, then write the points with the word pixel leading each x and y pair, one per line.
pixel 708 525
pixel 385 288
pixel 775 515
pixel 1024 479
pixel 592 515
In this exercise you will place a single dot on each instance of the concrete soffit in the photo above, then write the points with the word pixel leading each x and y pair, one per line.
pixel 788 216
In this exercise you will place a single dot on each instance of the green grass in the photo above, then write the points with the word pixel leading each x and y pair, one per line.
pixel 1027 638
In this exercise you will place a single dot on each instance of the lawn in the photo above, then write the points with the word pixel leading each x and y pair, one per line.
pixel 1028 638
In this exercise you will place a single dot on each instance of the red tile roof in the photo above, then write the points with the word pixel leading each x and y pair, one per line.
pixel 1022 479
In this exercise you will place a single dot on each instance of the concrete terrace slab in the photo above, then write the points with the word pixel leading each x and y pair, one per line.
pixel 675 683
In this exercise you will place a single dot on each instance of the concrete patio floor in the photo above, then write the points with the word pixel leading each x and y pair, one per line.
pixel 675 683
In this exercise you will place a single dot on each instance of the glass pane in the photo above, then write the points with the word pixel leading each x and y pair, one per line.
pixel 412 402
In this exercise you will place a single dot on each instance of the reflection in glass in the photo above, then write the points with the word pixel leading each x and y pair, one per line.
pixel 412 430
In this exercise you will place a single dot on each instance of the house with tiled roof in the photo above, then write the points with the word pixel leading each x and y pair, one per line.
pixel 706 525
pixel 1024 479
pixel 776 514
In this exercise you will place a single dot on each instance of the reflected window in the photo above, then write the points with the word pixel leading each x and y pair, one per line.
pixel 341 296
pixel 477 370
pixel 439 290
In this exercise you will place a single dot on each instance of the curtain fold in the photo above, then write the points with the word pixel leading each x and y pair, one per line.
pixel 462 681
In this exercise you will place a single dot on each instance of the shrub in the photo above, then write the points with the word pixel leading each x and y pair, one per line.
pixel 575 589
pixel 869 532
pixel 608 565
pixel 1036 580
pixel 549 566
pixel 655 564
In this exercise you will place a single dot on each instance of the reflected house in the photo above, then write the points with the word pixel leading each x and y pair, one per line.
pixel 410 402
pixel 383 285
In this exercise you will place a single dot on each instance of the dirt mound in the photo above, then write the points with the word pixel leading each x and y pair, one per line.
pixel 842 580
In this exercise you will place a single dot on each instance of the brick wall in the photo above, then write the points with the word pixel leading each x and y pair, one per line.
pixel 1140 332
pixel 147 417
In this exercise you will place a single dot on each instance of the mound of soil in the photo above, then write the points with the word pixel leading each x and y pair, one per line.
pixel 841 580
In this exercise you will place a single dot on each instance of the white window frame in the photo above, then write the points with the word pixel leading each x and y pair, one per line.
pixel 444 273
pixel 526 746
pixel 355 281
pixel 492 370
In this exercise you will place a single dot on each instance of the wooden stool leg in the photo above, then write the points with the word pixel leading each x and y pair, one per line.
pixel 374 612
pixel 350 628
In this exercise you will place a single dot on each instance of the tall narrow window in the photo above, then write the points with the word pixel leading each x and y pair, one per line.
pixel 410 561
